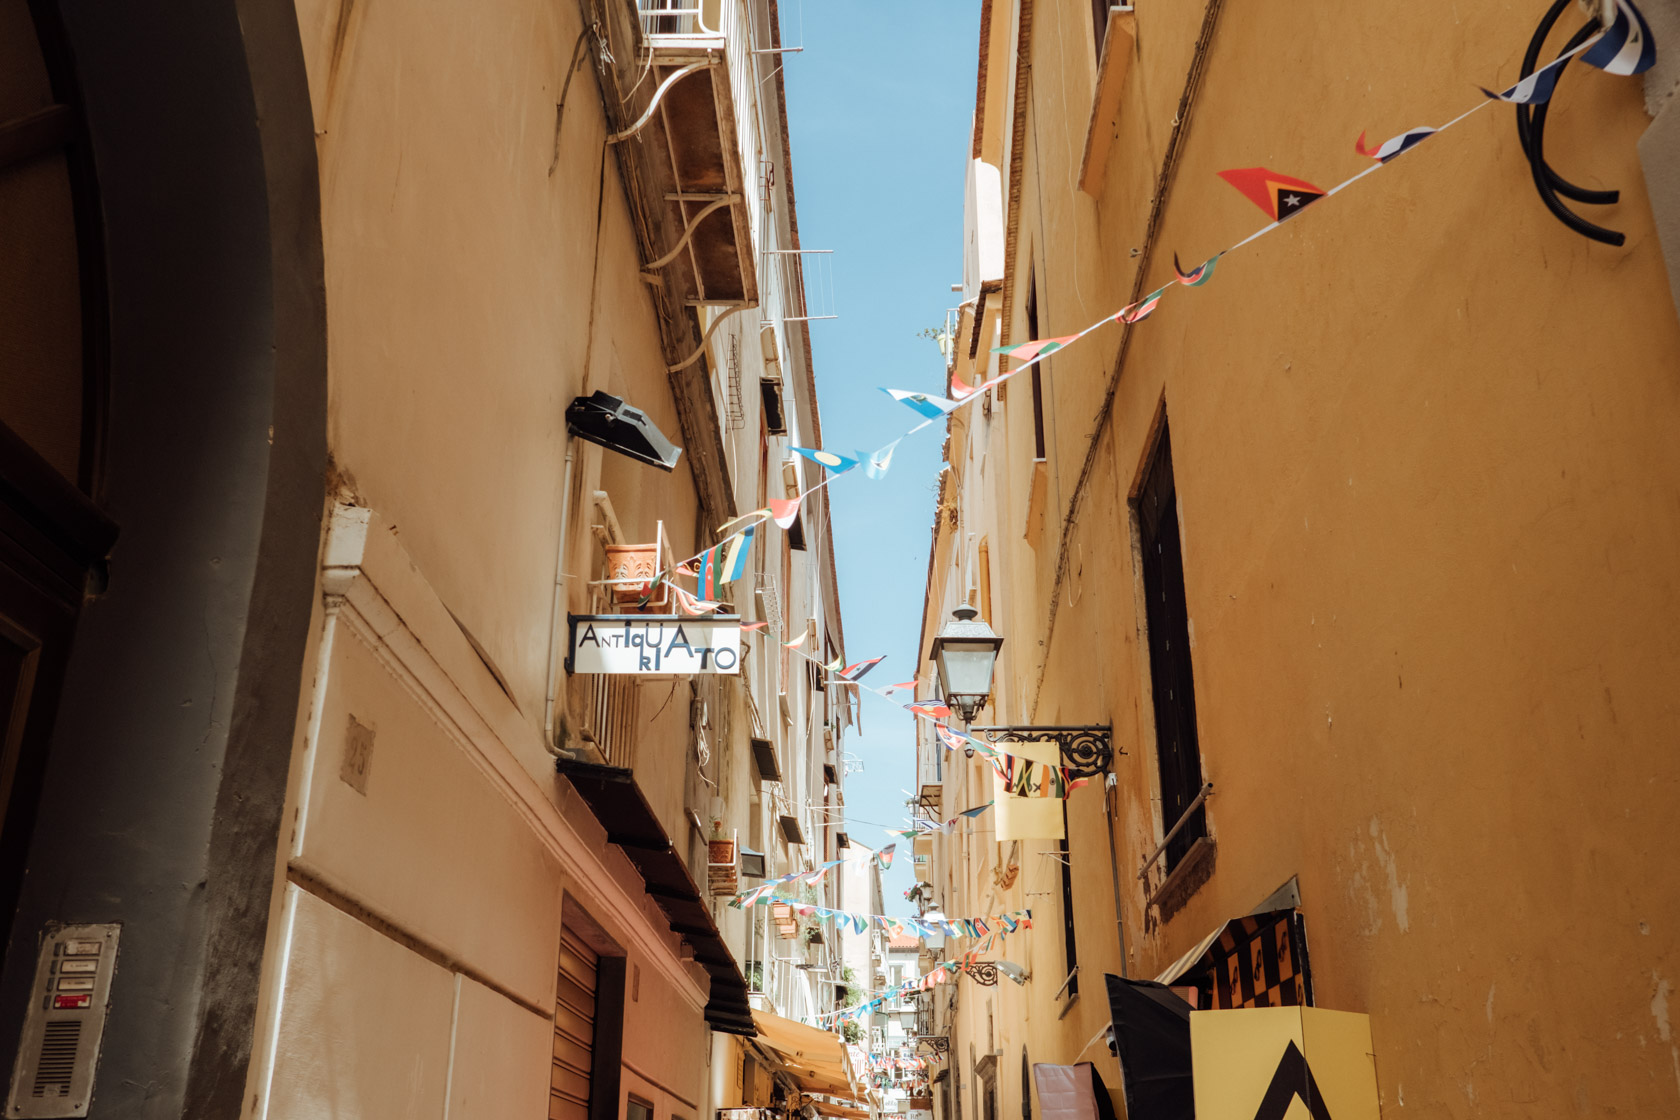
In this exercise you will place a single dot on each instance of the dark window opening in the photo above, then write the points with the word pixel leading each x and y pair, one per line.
pixel 796 535
pixel 829 776
pixel 1177 751
pixel 791 832
pixel 1070 942
pixel 1037 382
pixel 775 422
pixel 764 761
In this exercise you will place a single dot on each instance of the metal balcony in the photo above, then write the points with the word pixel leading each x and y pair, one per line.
pixel 679 108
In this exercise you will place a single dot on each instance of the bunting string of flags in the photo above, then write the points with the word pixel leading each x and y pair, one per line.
pixel 1623 46
pixel 941 973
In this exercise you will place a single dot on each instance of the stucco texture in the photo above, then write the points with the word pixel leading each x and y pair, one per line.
pixel 1426 473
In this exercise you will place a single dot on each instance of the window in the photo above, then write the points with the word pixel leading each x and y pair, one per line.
pixel 1168 619
pixel 1070 941
pixel 791 832
pixel 1037 382
pixel 637 1110
pixel 764 760
pixel 983 573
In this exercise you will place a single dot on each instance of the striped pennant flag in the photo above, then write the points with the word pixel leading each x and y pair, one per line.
pixel 1027 351
pixel 1199 275
pixel 724 563
pixel 1626 47
pixel 1393 146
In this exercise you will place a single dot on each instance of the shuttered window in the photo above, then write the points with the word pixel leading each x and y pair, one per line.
pixel 1177 750
pixel 574 1030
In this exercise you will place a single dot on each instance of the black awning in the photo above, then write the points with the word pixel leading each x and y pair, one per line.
pixel 617 803
pixel 1152 1035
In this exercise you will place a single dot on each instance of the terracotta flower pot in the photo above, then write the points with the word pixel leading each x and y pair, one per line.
pixel 637 562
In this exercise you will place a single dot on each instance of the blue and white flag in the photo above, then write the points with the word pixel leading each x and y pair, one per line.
pixel 1626 47
pixel 1535 89
pixel 1395 145
pixel 834 461
pixel 927 405
pixel 875 466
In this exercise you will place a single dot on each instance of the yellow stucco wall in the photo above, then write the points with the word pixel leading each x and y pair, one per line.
pixel 1423 443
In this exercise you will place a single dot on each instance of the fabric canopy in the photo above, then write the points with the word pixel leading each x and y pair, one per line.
pixel 1072 1092
pixel 815 1058
pixel 845 1112
pixel 1152 1035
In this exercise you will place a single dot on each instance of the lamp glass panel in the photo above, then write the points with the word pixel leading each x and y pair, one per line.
pixel 965 667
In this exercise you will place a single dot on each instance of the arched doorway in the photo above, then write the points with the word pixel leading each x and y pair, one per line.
pixel 164 447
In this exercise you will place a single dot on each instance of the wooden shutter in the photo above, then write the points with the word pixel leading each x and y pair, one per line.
pixel 1176 748
pixel 574 1030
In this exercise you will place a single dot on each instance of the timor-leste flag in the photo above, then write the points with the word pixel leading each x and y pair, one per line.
pixel 1278 195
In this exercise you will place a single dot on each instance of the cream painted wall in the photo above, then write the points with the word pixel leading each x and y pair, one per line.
pixel 430 846
pixel 463 280
pixel 482 270
pixel 366 1026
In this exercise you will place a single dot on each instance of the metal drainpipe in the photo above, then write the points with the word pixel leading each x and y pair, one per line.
pixel 554 610
pixel 1109 786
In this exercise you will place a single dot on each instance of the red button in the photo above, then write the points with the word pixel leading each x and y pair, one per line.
pixel 72 1003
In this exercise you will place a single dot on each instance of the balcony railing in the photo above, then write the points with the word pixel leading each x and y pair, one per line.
pixel 676 23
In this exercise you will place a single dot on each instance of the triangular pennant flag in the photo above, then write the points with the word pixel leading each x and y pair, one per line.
pixel 1027 351
pixel 932 711
pixel 1393 146
pixel 876 465
pixel 748 627
pixel 1142 309
pixel 1199 275
pixel 724 563
pixel 1536 89
pixel 884 857
pixel 1626 47
pixel 755 516
pixel 856 671
pixel 929 406
pixel 784 511
pixel 1278 195
pixel 839 464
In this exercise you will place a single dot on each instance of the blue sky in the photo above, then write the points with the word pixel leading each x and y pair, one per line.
pixel 879 106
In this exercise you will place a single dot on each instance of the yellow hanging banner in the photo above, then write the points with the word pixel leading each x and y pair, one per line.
pixel 1028 818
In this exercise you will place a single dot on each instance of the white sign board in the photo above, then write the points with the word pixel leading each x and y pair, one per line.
pixel 655 644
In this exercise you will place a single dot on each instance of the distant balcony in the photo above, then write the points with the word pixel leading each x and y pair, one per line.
pixel 678 108
pixel 679 24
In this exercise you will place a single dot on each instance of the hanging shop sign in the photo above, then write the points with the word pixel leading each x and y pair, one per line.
pixel 1267 1063
pixel 655 644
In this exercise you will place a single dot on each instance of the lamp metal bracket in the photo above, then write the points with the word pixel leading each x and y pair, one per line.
pixel 1087 751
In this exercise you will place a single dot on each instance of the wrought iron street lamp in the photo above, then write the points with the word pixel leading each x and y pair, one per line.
pixel 965 654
